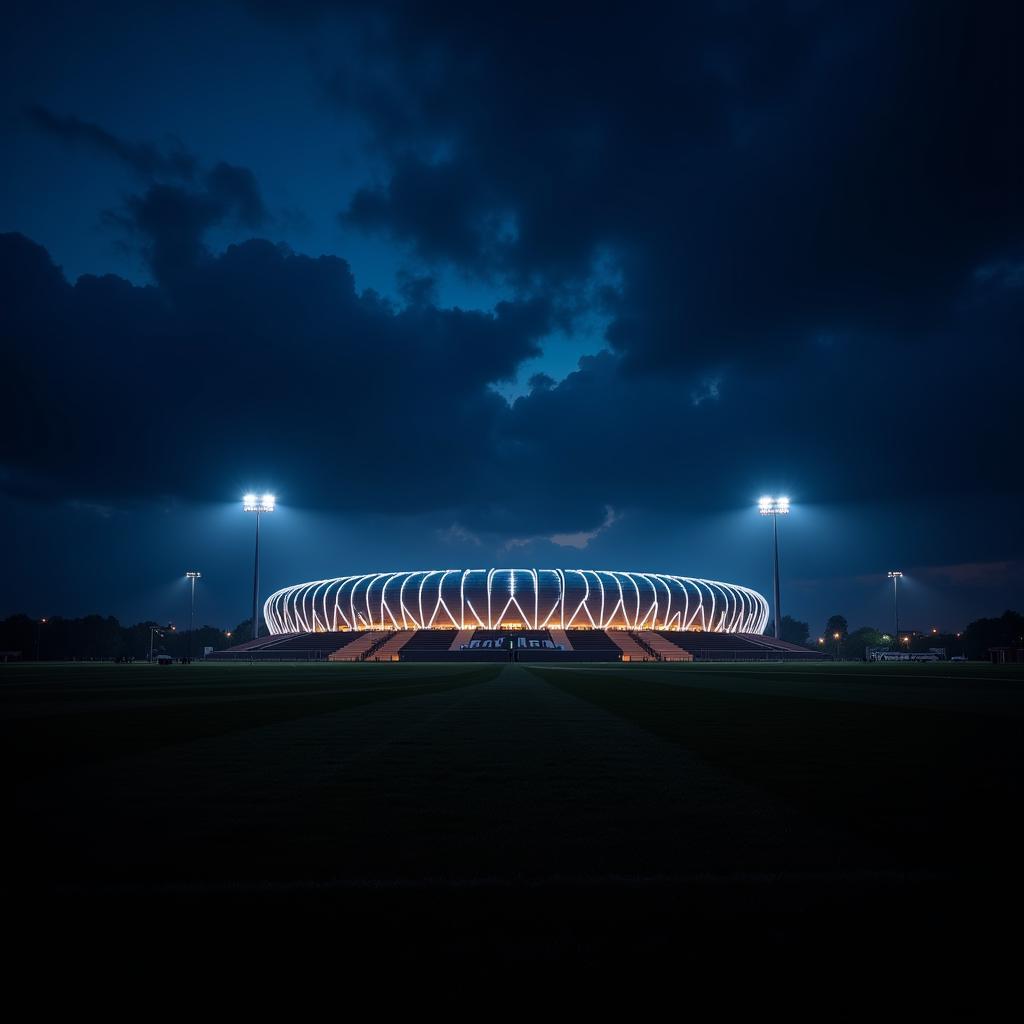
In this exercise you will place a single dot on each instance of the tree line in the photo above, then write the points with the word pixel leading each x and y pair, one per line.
pixel 1006 630
pixel 98 637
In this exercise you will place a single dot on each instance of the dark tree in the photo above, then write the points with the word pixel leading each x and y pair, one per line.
pixel 1006 631
pixel 861 639
pixel 836 624
pixel 794 631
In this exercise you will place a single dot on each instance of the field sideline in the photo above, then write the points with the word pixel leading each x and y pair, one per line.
pixel 518 811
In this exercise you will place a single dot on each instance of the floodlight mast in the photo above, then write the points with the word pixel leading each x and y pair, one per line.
pixel 895 576
pixel 257 504
pixel 775 507
pixel 192 576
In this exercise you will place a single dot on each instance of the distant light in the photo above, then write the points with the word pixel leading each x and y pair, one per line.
pixel 895 574
pixel 193 575
pixel 835 636
pixel 821 639
pixel 254 503
pixel 769 506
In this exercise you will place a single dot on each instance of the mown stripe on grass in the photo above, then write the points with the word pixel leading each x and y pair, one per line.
pixel 59 742
pixel 932 786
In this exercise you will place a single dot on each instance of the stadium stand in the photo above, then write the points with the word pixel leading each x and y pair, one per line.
pixel 561 638
pixel 706 646
pixel 593 645
pixel 578 645
pixel 783 646
pixel 631 650
pixel 461 637
pixel 428 641
pixel 287 647
pixel 363 645
pixel 389 650
pixel 660 647
pixel 261 642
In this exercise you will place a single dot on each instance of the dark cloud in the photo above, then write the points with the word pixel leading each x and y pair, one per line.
pixel 801 223
pixel 760 174
pixel 417 290
pixel 173 220
pixel 143 158
pixel 258 359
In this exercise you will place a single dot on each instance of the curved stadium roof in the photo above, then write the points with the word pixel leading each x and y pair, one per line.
pixel 509 598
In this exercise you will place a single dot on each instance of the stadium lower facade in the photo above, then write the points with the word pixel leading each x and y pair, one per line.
pixel 533 599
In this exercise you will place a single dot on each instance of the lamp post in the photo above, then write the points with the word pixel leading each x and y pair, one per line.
pixel 193 576
pixel 158 630
pixel 837 637
pixel 39 638
pixel 775 507
pixel 895 576
pixel 257 504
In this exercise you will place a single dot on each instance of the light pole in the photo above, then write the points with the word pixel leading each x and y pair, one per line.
pixel 775 507
pixel 39 638
pixel 253 503
pixel 158 630
pixel 193 576
pixel 895 576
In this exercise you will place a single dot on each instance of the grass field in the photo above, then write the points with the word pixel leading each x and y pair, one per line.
pixel 518 812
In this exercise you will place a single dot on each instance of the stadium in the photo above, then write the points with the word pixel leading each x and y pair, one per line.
pixel 515 614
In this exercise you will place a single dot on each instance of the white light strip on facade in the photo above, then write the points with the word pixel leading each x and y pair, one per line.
pixel 573 598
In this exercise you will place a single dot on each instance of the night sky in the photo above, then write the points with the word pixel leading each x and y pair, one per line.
pixel 512 285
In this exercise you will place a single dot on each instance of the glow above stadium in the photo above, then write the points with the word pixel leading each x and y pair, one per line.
pixel 515 598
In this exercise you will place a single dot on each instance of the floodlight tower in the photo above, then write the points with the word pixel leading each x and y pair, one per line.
pixel 775 507
pixel 257 504
pixel 192 576
pixel 896 576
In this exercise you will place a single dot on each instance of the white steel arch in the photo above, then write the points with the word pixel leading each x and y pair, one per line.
pixel 495 598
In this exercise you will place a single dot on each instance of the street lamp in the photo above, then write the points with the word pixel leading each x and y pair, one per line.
pixel 257 504
pixel 158 630
pixel 895 576
pixel 39 637
pixel 193 576
pixel 836 637
pixel 775 507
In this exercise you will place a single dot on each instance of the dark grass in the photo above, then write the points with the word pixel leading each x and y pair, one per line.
pixel 924 787
pixel 632 812
pixel 60 717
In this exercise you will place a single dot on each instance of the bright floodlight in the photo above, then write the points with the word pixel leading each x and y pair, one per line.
pixel 254 503
pixel 769 506
pixel 895 574
pixel 193 575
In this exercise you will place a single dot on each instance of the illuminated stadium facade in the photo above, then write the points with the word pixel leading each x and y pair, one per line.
pixel 515 599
